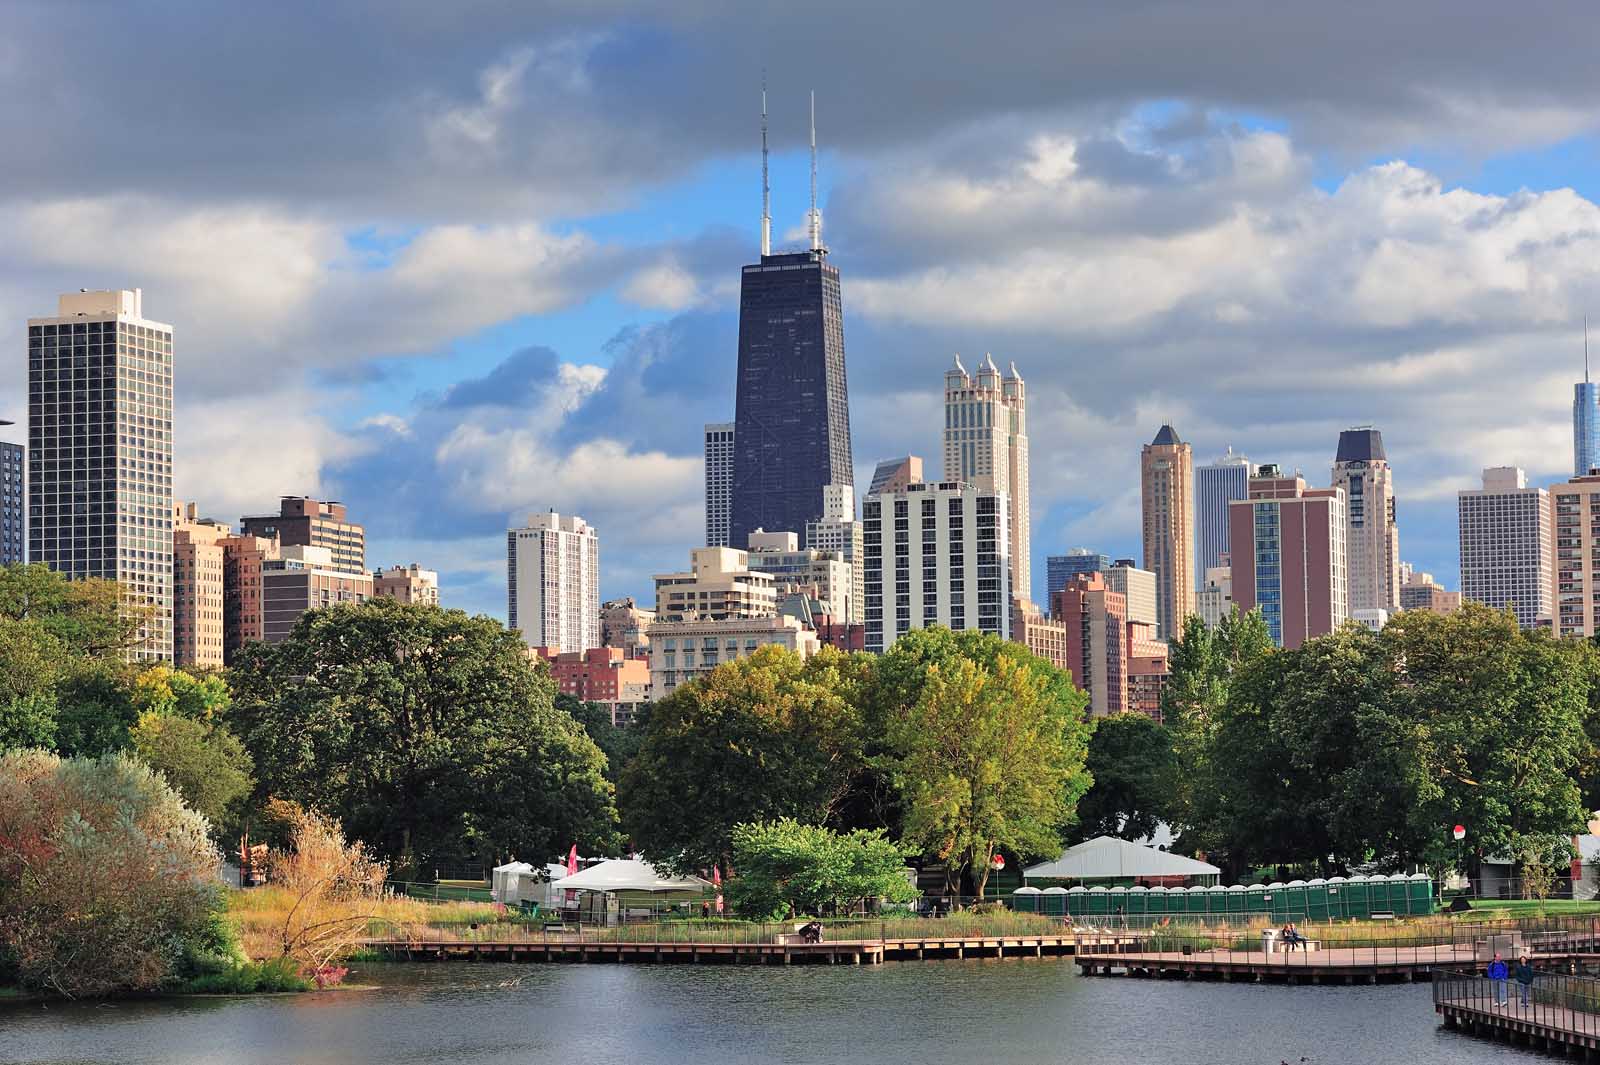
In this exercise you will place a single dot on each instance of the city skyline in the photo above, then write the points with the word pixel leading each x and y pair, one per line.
pixel 534 259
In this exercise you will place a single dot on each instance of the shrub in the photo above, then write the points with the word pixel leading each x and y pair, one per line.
pixel 107 881
pixel 248 978
pixel 333 890
pixel 787 867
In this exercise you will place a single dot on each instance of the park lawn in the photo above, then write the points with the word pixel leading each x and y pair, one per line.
pixel 1482 908
pixel 452 891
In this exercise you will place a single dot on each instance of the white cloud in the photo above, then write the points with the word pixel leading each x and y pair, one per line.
pixel 238 455
pixel 664 285
pixel 255 290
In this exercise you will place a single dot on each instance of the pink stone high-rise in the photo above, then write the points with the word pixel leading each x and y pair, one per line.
pixel 1166 476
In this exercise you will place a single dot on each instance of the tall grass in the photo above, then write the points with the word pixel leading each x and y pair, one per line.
pixel 259 915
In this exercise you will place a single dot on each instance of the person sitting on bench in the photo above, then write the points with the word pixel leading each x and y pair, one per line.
pixel 811 932
pixel 1291 937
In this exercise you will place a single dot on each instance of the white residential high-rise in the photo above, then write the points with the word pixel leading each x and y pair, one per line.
pixel 950 568
pixel 1215 486
pixel 840 531
pixel 100 451
pixel 1139 587
pixel 719 481
pixel 986 446
pixel 553 582
pixel 1507 546
pixel 1372 538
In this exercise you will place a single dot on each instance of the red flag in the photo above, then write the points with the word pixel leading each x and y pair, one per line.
pixel 571 896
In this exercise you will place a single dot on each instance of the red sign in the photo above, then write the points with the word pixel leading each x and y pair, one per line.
pixel 1459 832
pixel 998 861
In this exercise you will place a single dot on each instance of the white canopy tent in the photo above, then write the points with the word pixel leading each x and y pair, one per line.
pixel 633 875
pixel 518 882
pixel 503 881
pixel 1109 858
pixel 623 887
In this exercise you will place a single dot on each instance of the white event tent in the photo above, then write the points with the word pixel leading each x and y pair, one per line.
pixel 1109 858
pixel 621 886
pixel 518 882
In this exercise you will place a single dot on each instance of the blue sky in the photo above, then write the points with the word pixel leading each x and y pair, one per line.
pixel 486 262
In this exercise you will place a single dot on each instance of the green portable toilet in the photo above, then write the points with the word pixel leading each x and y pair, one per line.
pixel 1383 895
pixel 1138 901
pixel 1360 892
pixel 1025 900
pixel 1216 900
pixel 1400 894
pixel 1419 893
pixel 1058 901
pixel 1316 899
pixel 1378 894
pixel 1195 899
pixel 1099 902
pixel 1294 901
pixel 1117 902
pixel 1255 899
pixel 1338 897
pixel 1155 902
pixel 1238 898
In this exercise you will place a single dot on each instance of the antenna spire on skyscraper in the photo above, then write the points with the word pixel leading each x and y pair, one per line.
pixel 815 218
pixel 766 189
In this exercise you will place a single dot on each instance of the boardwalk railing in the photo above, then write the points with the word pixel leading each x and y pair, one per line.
pixel 1558 1001
pixel 733 932
pixel 1536 937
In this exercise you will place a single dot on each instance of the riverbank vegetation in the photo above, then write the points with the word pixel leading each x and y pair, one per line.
pixel 107 880
pixel 403 741
pixel 956 745
pixel 1364 747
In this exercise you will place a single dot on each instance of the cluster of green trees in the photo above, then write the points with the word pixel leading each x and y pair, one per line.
pixel 430 735
pixel 435 740
pixel 67 688
pixel 955 745
pixel 1369 747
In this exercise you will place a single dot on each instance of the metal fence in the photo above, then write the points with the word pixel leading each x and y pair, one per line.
pixel 1427 942
pixel 1556 1000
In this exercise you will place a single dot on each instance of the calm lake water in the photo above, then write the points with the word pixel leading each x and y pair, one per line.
pixel 971 1013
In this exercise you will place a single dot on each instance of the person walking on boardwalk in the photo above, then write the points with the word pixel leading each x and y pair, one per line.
pixel 1524 975
pixel 1497 974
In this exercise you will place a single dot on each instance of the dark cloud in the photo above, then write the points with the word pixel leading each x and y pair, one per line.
pixel 510 384
pixel 418 110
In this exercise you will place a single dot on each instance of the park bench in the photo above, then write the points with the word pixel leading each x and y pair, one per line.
pixel 557 926
pixel 1382 915
pixel 1272 943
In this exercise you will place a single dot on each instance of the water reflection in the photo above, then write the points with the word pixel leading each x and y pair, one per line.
pixel 978 1011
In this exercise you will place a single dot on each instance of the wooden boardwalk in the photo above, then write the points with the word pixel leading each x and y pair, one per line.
pixel 833 952
pixel 1562 1015
pixel 1333 965
pixel 1550 1028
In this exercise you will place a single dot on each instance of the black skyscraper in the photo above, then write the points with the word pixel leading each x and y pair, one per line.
pixel 792 417
pixel 792 420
